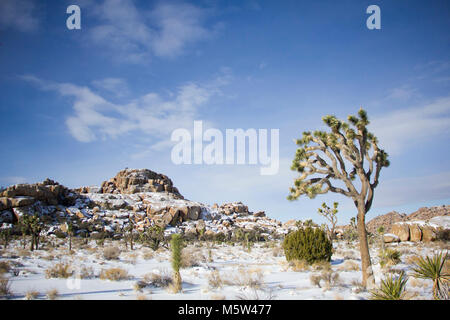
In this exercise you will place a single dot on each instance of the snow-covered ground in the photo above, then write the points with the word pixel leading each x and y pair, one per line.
pixel 212 271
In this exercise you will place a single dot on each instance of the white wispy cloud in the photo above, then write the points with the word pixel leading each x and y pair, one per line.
pixel 135 34
pixel 95 117
pixel 401 129
pixel 18 14
pixel 116 86
pixel 413 189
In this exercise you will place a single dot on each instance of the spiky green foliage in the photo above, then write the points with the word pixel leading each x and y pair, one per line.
pixel 308 244
pixel 391 288
pixel 176 245
pixel 432 268
pixel 326 155
pixel 389 257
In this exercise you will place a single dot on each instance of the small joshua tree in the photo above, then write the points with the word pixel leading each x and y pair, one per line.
pixel 129 229
pixel 176 246
pixel 331 215
pixel 69 225
pixel 347 152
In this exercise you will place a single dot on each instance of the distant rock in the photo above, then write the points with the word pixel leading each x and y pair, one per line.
pixel 131 181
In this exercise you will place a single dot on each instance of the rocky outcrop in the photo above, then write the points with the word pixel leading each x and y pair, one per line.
pixel 389 219
pixel 418 230
pixel 385 221
pixel 142 198
pixel 130 181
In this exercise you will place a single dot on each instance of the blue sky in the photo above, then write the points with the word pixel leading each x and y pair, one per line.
pixel 79 105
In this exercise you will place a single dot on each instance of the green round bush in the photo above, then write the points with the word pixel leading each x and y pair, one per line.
pixel 308 244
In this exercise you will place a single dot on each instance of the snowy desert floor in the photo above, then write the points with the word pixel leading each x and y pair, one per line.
pixel 210 271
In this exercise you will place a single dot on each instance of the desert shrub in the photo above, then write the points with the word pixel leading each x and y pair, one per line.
pixel 59 270
pixel 443 235
pixel 315 279
pixel 309 244
pixel 252 278
pixel 111 253
pixel 389 257
pixel 5 287
pixel 330 278
pixel 391 288
pixel 114 274
pixel 159 280
pixel 299 265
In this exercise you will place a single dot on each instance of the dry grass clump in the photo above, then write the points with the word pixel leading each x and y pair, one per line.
pixel 192 257
pixel 141 297
pixel 321 265
pixel 161 279
pixel 214 279
pixel 111 253
pixel 215 296
pixel 86 272
pixel 411 259
pixel 24 253
pixel 52 294
pixel 59 270
pixel 31 295
pixel 357 286
pixel 350 265
pixel 253 278
pixel 147 254
pixel 5 287
pixel 299 265
pixel 114 274
pixel 5 267
pixel 278 251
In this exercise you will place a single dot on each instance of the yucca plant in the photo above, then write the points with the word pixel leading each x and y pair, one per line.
pixel 391 288
pixel 431 268
pixel 389 257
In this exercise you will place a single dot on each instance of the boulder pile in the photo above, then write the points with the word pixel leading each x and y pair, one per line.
pixel 139 197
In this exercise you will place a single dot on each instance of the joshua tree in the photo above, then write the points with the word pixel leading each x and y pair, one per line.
pixel 347 152
pixel 35 226
pixel 24 227
pixel 176 246
pixel 5 231
pixel 331 215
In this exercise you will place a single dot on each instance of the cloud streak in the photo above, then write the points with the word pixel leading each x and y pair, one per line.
pixel 19 15
pixel 136 35
pixel 95 117
pixel 402 129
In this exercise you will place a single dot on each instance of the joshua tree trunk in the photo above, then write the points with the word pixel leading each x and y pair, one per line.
pixel 366 265
pixel 32 241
